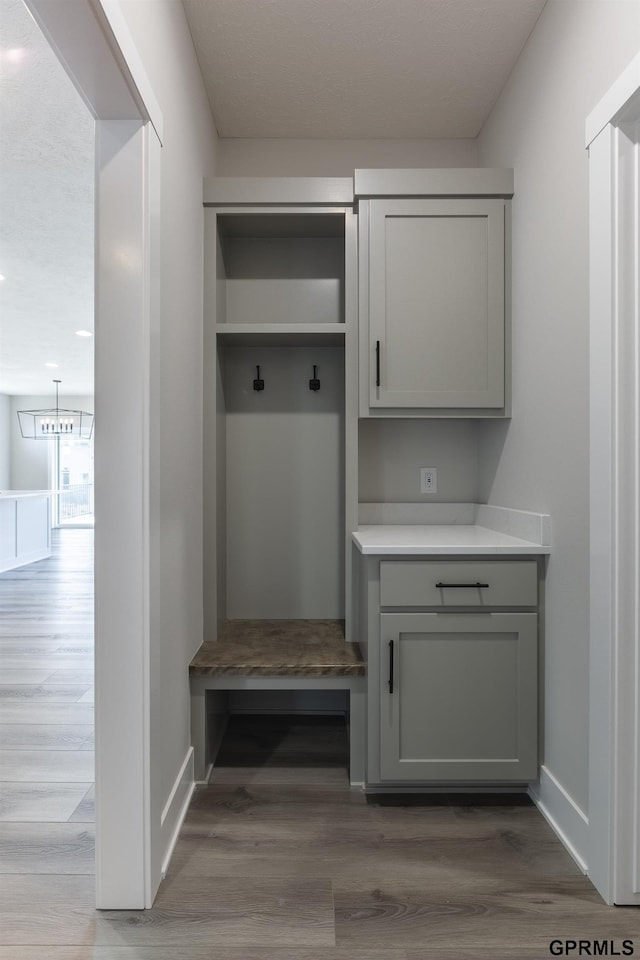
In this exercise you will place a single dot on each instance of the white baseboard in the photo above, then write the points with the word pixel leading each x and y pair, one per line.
pixel 175 809
pixel 563 815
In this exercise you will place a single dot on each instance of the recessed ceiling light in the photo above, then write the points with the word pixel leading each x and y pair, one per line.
pixel 15 55
pixel 84 333
pixel 51 364
pixel 2 277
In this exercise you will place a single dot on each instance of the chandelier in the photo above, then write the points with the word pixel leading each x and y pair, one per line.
pixel 55 422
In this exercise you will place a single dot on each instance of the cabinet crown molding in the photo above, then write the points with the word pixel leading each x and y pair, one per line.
pixel 312 191
pixel 435 182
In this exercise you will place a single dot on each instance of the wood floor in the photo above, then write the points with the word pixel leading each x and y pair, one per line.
pixel 46 711
pixel 278 858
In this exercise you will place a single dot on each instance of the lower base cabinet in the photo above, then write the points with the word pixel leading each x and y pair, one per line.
pixel 458 697
pixel 452 656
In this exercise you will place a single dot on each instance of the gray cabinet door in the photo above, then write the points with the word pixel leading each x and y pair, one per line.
pixel 458 697
pixel 436 303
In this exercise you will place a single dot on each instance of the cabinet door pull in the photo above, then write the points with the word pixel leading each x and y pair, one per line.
pixel 390 666
pixel 377 363
pixel 456 586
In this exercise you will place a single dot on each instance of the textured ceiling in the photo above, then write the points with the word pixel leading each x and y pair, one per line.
pixel 46 216
pixel 356 68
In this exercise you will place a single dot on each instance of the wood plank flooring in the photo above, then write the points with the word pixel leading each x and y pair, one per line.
pixel 453 879
pixel 46 694
pixel 278 858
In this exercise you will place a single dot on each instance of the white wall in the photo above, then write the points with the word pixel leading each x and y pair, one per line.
pixel 391 453
pixel 5 440
pixel 30 460
pixel 336 158
pixel 163 40
pixel 540 460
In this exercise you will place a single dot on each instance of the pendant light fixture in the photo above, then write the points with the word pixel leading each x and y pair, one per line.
pixel 55 422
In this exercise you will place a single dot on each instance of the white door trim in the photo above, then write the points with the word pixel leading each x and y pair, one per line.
pixel 618 103
pixel 93 43
pixel 613 135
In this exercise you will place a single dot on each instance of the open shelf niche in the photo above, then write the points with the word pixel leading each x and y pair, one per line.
pixel 278 317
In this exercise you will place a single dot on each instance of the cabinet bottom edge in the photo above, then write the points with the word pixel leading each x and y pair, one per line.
pixel 450 789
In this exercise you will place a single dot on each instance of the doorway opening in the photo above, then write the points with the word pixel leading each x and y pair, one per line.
pixel 72 482
pixel 47 169
pixel 613 141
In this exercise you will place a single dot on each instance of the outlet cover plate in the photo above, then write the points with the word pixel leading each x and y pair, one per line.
pixel 428 480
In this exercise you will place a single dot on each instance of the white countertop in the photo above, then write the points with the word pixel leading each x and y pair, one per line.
pixel 455 539
pixel 15 494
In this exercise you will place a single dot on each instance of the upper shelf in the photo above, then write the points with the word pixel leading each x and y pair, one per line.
pixel 282 334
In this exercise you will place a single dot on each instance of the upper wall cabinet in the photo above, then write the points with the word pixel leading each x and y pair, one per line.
pixel 436 303
pixel 434 317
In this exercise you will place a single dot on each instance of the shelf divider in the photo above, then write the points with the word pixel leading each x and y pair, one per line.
pixel 281 334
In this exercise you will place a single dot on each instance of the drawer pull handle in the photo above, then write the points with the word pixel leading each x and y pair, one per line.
pixel 390 666
pixel 377 363
pixel 461 586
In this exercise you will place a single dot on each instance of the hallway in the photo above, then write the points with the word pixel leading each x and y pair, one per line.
pixel 278 858
pixel 46 712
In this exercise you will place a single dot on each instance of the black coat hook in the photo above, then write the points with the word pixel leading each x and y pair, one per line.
pixel 314 383
pixel 258 384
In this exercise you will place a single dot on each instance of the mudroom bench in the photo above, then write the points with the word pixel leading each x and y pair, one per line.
pixel 277 655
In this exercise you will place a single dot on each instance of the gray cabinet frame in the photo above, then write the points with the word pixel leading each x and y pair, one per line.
pixel 269 200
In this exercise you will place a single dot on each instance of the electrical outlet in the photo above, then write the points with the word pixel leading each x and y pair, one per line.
pixel 428 480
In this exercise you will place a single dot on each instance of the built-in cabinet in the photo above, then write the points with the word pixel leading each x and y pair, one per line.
pixel 317 314
pixel 25 527
pixel 434 307
pixel 452 668
pixel 436 303
pixel 280 328
pixel 459 699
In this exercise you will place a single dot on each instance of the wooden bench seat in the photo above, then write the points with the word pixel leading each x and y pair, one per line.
pixel 277 655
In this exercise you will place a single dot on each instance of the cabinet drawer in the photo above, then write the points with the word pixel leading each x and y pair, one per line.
pixel 457 583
